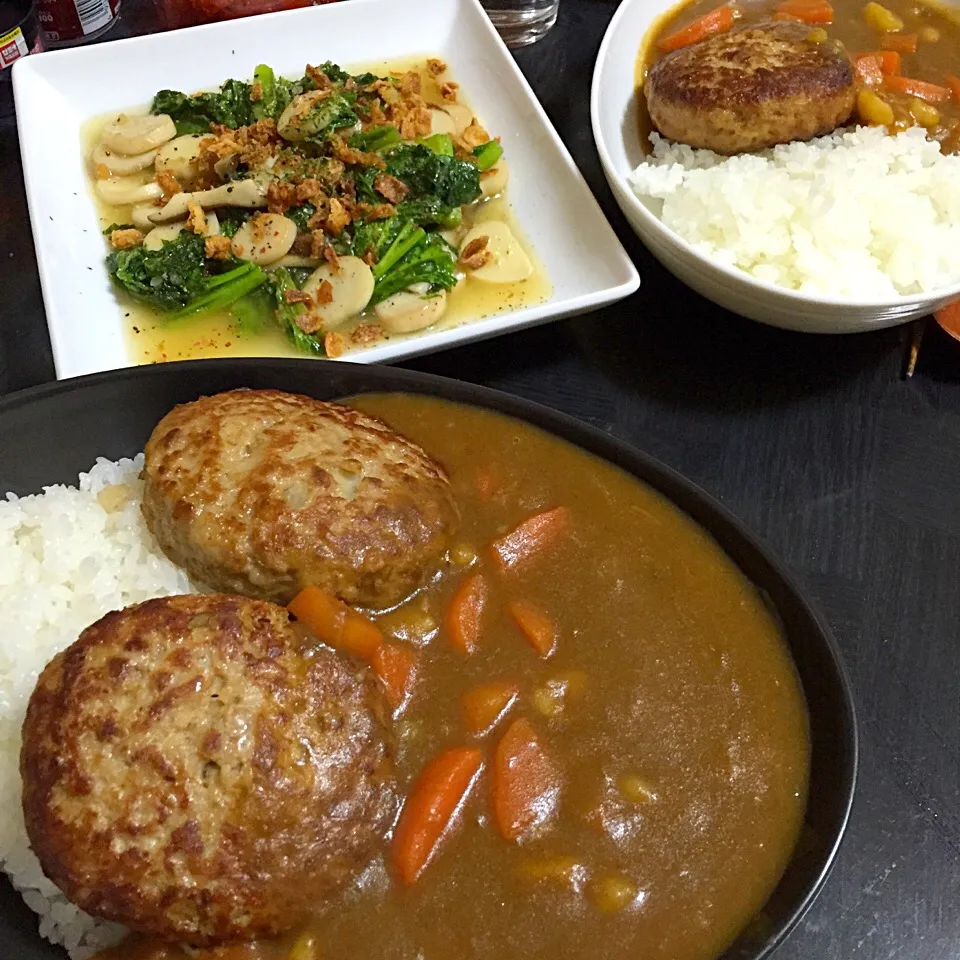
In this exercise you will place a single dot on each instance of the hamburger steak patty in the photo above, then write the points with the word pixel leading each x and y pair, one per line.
pixel 192 769
pixel 751 88
pixel 262 492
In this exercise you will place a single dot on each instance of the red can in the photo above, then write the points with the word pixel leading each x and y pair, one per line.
pixel 68 22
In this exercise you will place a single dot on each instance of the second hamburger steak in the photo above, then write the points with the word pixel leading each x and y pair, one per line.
pixel 262 492
pixel 193 770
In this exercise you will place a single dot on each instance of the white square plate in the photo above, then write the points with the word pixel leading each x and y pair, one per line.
pixel 57 92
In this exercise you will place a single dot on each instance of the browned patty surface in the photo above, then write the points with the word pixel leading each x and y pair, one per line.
pixel 262 492
pixel 751 88
pixel 191 770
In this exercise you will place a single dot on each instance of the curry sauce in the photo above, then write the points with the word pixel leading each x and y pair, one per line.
pixel 669 705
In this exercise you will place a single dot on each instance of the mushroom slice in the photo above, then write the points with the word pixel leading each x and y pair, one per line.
pixel 496 180
pixel 408 310
pixel 179 157
pixel 305 115
pixel 461 116
pixel 441 122
pixel 158 236
pixel 123 190
pixel 508 261
pixel 264 239
pixel 140 214
pixel 351 287
pixel 119 164
pixel 135 135
pixel 299 262
pixel 241 193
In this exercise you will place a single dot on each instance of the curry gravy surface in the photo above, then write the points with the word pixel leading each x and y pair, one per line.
pixel 152 338
pixel 683 682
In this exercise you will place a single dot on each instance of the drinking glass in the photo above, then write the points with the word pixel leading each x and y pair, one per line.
pixel 520 22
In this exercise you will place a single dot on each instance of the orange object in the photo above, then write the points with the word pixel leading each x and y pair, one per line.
pixel 948 317
pixel 489 481
pixel 918 88
pixel 807 11
pixel 887 61
pixel 869 71
pixel 716 21
pixel 901 42
pixel 536 626
pixel 466 612
pixel 483 706
pixel 530 538
pixel 954 84
pixel 437 794
pixel 395 664
pixel 526 782
pixel 336 624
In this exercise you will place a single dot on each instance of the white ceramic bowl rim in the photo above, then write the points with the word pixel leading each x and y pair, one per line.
pixel 657 225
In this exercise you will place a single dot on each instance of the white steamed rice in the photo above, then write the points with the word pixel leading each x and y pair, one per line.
pixel 858 213
pixel 67 557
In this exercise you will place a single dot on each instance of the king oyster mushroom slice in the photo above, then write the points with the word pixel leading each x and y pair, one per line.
pixel 264 239
pixel 441 122
pixel 120 191
pixel 496 181
pixel 250 194
pixel 167 232
pixel 411 309
pixel 351 286
pixel 460 116
pixel 119 164
pixel 179 157
pixel 508 262
pixel 138 134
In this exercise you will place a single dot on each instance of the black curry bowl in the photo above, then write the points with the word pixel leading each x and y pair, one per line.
pixel 70 424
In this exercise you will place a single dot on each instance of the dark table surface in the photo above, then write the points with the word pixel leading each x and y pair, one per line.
pixel 849 472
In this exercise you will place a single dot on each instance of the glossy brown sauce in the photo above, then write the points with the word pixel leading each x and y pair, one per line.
pixel 687 688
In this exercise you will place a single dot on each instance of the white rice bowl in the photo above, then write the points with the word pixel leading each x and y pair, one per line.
pixel 67 557
pixel 858 213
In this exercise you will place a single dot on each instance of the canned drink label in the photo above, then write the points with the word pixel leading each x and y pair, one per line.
pixel 63 21
pixel 13 46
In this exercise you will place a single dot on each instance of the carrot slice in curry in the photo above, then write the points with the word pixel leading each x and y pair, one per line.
pixel 395 664
pixel 526 783
pixel 488 481
pixel 336 624
pixel 535 625
pixel 954 84
pixel 483 706
pixel 807 11
pixel 530 538
pixel 868 69
pixel 886 61
pixel 901 42
pixel 716 21
pixel 434 799
pixel 466 612
pixel 930 92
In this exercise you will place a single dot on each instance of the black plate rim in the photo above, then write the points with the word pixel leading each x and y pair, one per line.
pixel 627 456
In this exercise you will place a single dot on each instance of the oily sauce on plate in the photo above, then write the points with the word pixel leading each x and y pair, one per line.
pixel 934 29
pixel 670 705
